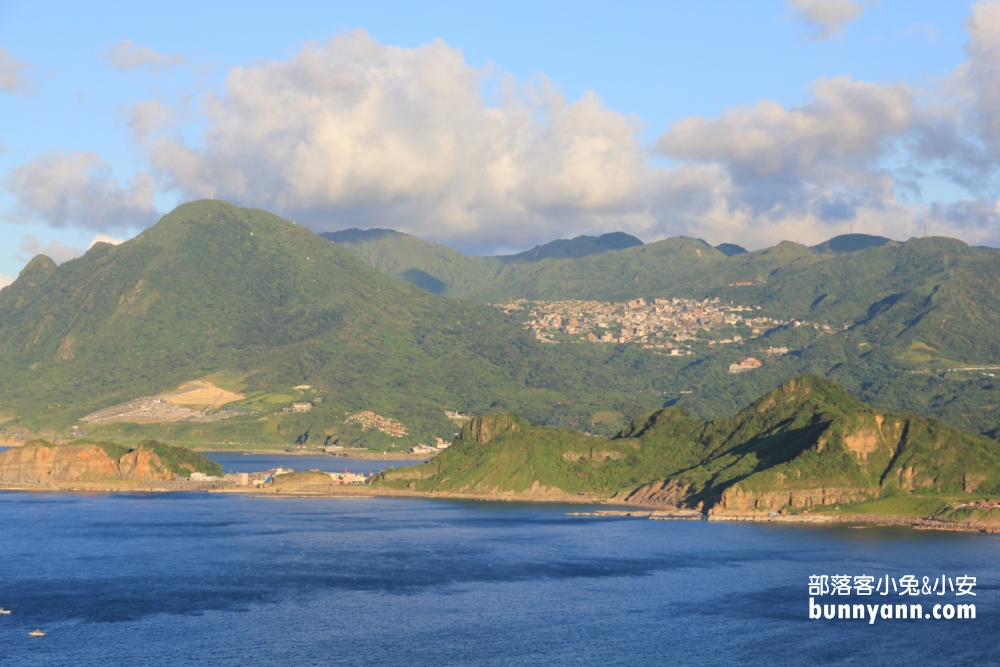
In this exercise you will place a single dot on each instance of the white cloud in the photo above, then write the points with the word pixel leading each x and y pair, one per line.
pixel 5 280
pixel 12 73
pixel 826 18
pixel 126 56
pixel 146 118
pixel 356 133
pixel 958 135
pixel 30 246
pixel 104 238
pixel 844 127
pixel 353 131
pixel 802 171
pixel 75 190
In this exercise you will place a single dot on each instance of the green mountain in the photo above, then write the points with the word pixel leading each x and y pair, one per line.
pixel 808 442
pixel 850 243
pixel 439 269
pixel 730 249
pixel 430 266
pixel 890 321
pixel 252 303
pixel 581 246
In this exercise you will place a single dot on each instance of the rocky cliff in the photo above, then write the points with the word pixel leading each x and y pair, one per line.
pixel 808 442
pixel 40 462
pixel 484 428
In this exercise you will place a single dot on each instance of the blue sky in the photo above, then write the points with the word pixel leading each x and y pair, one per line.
pixel 494 126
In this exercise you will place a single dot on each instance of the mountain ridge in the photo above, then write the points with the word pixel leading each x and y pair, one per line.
pixel 260 306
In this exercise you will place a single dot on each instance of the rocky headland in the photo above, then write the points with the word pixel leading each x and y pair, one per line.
pixel 42 462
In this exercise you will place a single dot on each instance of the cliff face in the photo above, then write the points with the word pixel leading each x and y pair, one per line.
pixel 808 442
pixel 41 463
pixel 484 428
pixel 864 454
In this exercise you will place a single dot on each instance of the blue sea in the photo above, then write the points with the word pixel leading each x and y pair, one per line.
pixel 206 579
pixel 239 462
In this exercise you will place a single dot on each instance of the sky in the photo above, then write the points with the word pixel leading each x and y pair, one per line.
pixel 494 126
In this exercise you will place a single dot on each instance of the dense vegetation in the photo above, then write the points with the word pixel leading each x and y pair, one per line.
pixel 899 316
pixel 259 305
pixel 806 443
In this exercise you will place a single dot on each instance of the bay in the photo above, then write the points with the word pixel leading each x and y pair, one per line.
pixel 215 579
pixel 239 462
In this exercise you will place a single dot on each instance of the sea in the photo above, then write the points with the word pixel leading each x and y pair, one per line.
pixel 218 579
pixel 239 462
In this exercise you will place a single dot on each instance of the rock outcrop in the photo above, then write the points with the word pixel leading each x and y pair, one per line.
pixel 738 498
pixel 665 493
pixel 40 462
pixel 486 427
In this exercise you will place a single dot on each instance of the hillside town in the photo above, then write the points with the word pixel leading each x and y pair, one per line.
pixel 654 324
pixel 368 419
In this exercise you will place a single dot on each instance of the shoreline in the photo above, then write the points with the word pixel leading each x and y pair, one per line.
pixel 629 510
pixel 336 491
pixel 352 455
pixel 204 447
pixel 861 521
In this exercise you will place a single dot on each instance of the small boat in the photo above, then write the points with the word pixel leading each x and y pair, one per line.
pixel 36 633
pixel 4 612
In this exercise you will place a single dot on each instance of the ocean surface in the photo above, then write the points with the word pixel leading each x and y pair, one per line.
pixel 239 462
pixel 206 579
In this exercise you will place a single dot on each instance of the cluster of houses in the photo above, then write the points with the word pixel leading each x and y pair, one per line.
pixel 438 446
pixel 748 364
pixel 981 504
pixel 259 479
pixel 368 419
pixel 656 323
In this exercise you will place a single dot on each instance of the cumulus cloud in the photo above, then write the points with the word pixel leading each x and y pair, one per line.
pixel 5 280
pixel 958 134
pixel 148 117
pixel 825 18
pixel 808 168
pixel 104 238
pixel 356 131
pixel 30 246
pixel 12 73
pixel 126 56
pixel 75 190
pixel 847 156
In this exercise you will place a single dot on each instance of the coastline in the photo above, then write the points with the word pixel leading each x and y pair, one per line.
pixel 337 491
pixel 356 455
pixel 650 512
pixel 861 520
pixel 18 440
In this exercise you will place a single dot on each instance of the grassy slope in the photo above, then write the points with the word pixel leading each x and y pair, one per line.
pixel 431 266
pixel 262 305
pixel 796 437
pixel 198 296
pixel 924 305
